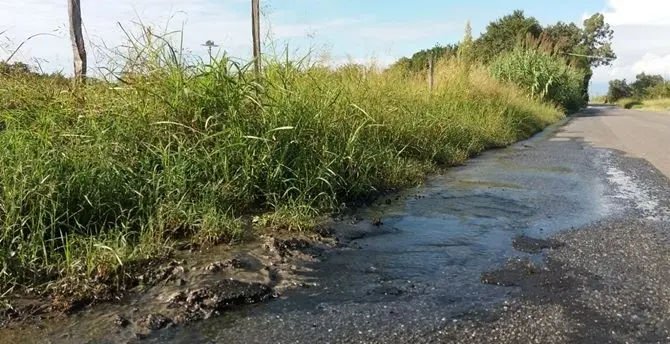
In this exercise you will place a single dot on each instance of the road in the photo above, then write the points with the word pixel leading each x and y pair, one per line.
pixel 637 133
pixel 563 238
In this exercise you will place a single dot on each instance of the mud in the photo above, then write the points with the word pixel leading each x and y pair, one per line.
pixel 179 292
pixel 527 244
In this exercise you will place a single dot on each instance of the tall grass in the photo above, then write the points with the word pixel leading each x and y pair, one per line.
pixel 96 177
pixel 543 75
pixel 652 104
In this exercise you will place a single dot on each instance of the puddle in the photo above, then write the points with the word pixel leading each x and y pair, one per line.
pixel 424 265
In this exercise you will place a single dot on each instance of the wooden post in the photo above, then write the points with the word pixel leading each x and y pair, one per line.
pixel 78 48
pixel 256 35
pixel 431 72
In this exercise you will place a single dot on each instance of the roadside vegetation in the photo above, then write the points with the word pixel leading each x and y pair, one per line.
pixel 648 92
pixel 97 177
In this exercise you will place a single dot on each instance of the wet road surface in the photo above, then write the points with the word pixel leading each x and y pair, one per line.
pixel 601 275
pixel 418 278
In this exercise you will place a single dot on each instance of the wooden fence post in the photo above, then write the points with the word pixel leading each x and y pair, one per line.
pixel 431 72
pixel 78 48
pixel 256 35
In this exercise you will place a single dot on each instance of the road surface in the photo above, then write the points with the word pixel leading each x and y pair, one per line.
pixel 641 134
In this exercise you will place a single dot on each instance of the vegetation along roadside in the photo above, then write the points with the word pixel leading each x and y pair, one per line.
pixel 174 151
pixel 647 92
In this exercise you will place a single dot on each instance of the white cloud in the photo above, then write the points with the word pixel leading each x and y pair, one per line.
pixel 408 31
pixel 653 64
pixel 202 20
pixel 226 22
pixel 641 31
pixel 638 12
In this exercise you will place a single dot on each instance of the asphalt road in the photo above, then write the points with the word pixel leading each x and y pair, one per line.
pixel 641 134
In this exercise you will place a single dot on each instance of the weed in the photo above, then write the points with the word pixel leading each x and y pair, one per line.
pixel 111 173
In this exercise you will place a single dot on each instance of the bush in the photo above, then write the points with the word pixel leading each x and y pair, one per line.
pixel 629 103
pixel 659 91
pixel 618 89
pixel 543 76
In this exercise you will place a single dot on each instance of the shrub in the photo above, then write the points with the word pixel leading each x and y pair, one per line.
pixel 618 89
pixel 544 77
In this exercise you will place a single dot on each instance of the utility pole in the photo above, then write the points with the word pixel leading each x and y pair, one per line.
pixel 210 44
pixel 78 49
pixel 256 35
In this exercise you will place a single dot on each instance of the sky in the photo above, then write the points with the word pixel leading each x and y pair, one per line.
pixel 342 30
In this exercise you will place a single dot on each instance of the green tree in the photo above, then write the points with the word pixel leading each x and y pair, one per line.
pixel 419 61
pixel 597 41
pixel 565 37
pixel 585 48
pixel 618 89
pixel 644 82
pixel 503 35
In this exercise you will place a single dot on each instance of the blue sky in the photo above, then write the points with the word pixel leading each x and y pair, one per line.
pixel 351 30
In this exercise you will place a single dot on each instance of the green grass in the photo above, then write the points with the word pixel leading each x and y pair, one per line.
pixel 629 103
pixel 95 178
pixel 598 100
pixel 658 105
pixel 543 75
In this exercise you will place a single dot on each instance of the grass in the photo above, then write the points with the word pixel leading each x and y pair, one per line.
pixel 97 177
pixel 658 105
pixel 598 100
pixel 542 75
pixel 628 103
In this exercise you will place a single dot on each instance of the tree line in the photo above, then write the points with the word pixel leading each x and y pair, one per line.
pixel 645 86
pixel 580 48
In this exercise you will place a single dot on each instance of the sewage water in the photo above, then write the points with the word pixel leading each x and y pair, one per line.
pixel 422 267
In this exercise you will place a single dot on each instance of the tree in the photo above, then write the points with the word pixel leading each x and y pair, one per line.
pixel 597 41
pixel 644 82
pixel 565 37
pixel 419 61
pixel 585 48
pixel 503 35
pixel 78 48
pixel 618 89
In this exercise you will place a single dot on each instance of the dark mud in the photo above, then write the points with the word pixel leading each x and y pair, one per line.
pixel 527 244
pixel 177 293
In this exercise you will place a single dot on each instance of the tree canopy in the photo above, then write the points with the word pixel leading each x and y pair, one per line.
pixel 584 47
pixel 644 82
pixel 419 61
pixel 504 34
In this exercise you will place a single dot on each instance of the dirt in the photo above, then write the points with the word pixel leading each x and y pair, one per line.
pixel 527 244
pixel 189 288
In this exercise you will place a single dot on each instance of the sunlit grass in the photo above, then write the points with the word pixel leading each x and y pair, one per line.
pixel 96 177
pixel 659 105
